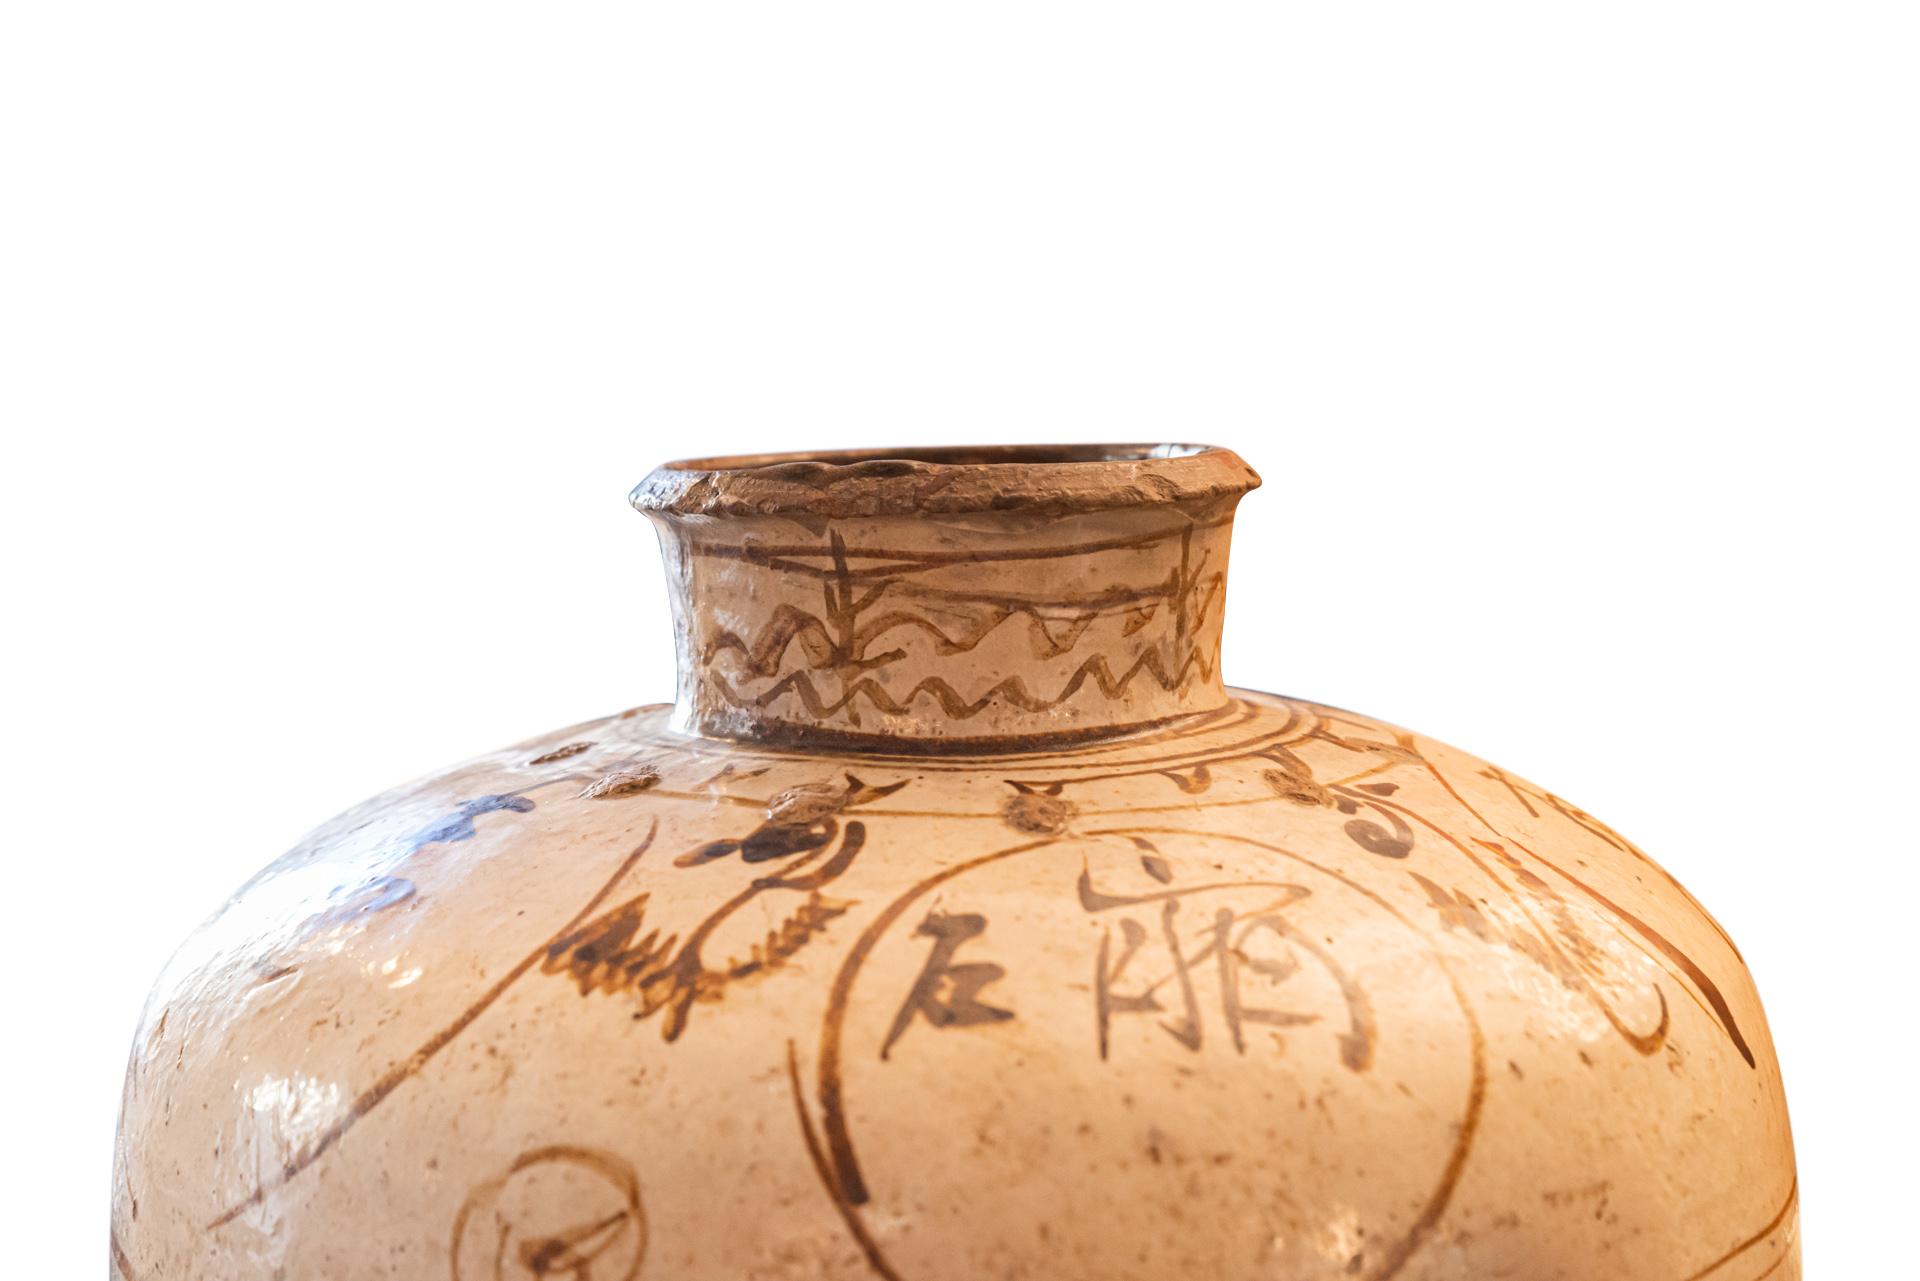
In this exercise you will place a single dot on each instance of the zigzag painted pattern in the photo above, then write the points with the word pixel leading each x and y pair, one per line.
pixel 1012 690
pixel 763 655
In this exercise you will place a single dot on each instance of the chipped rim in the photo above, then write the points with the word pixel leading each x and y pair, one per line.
pixel 951 480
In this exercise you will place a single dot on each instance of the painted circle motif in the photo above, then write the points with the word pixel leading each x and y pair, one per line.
pixel 1198 976
pixel 557 1212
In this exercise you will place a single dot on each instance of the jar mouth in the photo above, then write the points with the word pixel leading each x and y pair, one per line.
pixel 947 480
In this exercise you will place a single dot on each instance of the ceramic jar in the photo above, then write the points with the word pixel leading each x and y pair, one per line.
pixel 956 922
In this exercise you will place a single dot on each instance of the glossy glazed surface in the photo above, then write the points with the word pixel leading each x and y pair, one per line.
pixel 957 922
pixel 1273 991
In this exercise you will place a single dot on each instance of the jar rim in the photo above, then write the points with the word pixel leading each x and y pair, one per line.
pixel 947 480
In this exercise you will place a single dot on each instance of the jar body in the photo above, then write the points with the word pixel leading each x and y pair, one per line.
pixel 1274 990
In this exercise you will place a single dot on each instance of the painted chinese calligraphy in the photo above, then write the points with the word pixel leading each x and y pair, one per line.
pixel 948 994
pixel 1229 939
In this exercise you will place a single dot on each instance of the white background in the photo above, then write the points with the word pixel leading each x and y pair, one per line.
pixel 1577 344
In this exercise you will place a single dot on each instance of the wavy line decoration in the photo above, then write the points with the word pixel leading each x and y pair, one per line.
pixel 1012 691
pixel 802 652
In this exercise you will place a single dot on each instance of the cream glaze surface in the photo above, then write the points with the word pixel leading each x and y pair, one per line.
pixel 1265 989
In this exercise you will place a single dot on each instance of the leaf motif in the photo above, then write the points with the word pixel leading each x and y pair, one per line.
pixel 1198 780
pixel 1375 839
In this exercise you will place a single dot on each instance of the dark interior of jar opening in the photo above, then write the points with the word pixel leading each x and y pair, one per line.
pixel 954 455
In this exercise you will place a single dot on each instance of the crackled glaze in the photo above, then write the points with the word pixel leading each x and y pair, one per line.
pixel 979 958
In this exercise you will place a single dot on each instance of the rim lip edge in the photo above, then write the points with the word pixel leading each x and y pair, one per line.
pixel 946 480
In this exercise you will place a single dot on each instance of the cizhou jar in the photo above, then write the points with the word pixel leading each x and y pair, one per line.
pixel 957 922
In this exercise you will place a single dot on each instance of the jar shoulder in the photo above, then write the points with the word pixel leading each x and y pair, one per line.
pixel 1246 952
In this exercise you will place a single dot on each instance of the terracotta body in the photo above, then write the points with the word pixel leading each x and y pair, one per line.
pixel 999 939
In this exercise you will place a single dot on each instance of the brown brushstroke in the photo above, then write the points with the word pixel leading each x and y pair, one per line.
pixel 825 744
pixel 1773 1224
pixel 1580 818
pixel 1123 601
pixel 949 993
pixel 763 655
pixel 899 561
pixel 837 646
pixel 1697 976
pixel 406 1069
pixel 811 1137
pixel 1210 949
pixel 1410 1241
pixel 598 957
pixel 1500 776
pixel 822 745
pixel 846 1167
pixel 547 1256
pixel 1012 690
pixel 1645 1043
pixel 1541 948
pixel 1270 745
pixel 1356 1044
pixel 832 1150
pixel 119 1257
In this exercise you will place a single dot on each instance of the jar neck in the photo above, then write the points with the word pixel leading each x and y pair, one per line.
pixel 956 631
